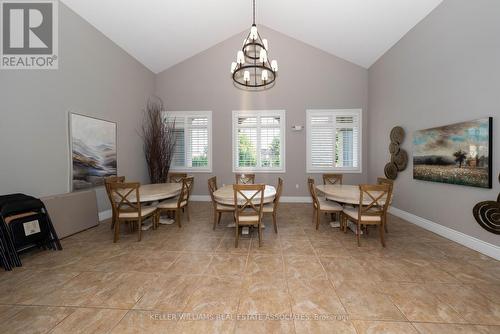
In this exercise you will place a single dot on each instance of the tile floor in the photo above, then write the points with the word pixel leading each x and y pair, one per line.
pixel 420 283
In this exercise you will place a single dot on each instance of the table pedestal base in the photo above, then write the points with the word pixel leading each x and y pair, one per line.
pixel 166 221
pixel 146 227
pixel 353 228
pixel 335 224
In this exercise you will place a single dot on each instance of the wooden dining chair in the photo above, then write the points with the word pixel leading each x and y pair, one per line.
pixel 107 181
pixel 177 205
pixel 245 178
pixel 373 213
pixel 219 209
pixel 176 177
pixel 248 203
pixel 332 179
pixel 320 204
pixel 272 208
pixel 126 202
pixel 382 180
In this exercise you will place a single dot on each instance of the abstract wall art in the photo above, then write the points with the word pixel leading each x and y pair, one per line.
pixel 93 151
pixel 459 153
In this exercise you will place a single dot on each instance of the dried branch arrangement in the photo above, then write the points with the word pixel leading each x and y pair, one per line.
pixel 159 140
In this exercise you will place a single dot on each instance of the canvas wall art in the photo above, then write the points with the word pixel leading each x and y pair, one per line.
pixel 458 154
pixel 93 151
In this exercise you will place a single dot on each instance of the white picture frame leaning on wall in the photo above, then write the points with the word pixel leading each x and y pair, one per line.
pixel 92 151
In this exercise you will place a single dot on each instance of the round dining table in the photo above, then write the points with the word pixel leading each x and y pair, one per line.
pixel 345 194
pixel 225 195
pixel 156 192
pixel 348 194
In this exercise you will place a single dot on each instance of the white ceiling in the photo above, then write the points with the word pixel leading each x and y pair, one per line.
pixel 162 33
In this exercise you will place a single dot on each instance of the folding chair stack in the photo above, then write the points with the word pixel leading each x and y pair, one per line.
pixel 24 223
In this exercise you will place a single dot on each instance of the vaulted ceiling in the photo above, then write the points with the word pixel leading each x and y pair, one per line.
pixel 162 33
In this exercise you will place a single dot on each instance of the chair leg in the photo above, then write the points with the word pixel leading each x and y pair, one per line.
pixel 219 217
pixel 178 217
pixel 215 218
pixel 139 227
pixel 317 219
pixel 236 238
pixel 358 232
pixel 117 231
pixel 187 213
pixel 260 234
pixel 384 220
pixel 382 235
pixel 275 223
pixel 113 218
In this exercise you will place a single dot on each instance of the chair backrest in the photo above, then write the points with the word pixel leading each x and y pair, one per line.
pixel 245 178
pixel 107 182
pixel 332 179
pixel 279 190
pixel 112 179
pixel 373 199
pixel 176 177
pixel 312 192
pixel 125 197
pixel 187 186
pixel 248 202
pixel 212 187
pixel 381 180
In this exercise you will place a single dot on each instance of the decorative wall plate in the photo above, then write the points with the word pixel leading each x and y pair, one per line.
pixel 393 148
pixel 400 160
pixel 391 171
pixel 397 134
pixel 487 215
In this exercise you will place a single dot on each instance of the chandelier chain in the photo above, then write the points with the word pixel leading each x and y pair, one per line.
pixel 253 12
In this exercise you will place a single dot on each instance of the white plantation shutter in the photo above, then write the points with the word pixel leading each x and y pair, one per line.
pixel 258 140
pixel 197 149
pixel 193 149
pixel 333 140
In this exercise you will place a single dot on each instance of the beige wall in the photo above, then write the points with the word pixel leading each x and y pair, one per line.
pixel 95 78
pixel 308 79
pixel 445 70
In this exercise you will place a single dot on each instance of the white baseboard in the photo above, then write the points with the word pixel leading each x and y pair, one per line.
pixel 295 199
pixel 448 233
pixel 284 199
pixel 200 198
pixel 103 215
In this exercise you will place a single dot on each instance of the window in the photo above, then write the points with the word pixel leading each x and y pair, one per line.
pixel 259 141
pixel 334 140
pixel 193 146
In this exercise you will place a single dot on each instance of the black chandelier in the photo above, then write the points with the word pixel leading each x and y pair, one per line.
pixel 252 68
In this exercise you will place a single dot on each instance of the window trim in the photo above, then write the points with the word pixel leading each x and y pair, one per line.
pixel 346 170
pixel 234 120
pixel 185 115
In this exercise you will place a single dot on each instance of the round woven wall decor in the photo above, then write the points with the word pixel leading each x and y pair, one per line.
pixel 400 159
pixel 393 148
pixel 397 134
pixel 391 171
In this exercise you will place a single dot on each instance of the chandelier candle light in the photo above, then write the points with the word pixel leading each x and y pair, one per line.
pixel 252 68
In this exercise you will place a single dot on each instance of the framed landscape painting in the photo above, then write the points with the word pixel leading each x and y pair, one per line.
pixel 93 151
pixel 458 153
